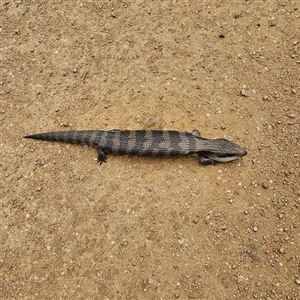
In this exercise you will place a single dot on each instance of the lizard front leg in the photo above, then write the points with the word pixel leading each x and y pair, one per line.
pixel 101 155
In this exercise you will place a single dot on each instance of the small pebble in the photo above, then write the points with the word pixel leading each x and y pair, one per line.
pixel 152 122
pixel 265 185
pixel 294 91
pixel 297 281
pixel 243 93
pixel 181 241
pixel 255 229
pixel 272 22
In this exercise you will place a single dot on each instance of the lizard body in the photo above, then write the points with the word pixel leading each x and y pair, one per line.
pixel 155 143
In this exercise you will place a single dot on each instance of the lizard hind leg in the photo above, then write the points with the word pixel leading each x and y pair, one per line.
pixel 101 156
pixel 196 133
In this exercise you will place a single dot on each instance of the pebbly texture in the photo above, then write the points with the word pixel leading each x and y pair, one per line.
pixel 139 228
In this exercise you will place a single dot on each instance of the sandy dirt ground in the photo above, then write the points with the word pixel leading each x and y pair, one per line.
pixel 144 228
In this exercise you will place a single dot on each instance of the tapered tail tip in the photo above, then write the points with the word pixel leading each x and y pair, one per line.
pixel 33 136
pixel 28 137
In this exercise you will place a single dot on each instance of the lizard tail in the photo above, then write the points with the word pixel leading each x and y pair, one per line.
pixel 74 137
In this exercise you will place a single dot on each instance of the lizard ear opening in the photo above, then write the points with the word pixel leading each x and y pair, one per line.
pixel 196 133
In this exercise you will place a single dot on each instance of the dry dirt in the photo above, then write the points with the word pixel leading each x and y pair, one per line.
pixel 142 228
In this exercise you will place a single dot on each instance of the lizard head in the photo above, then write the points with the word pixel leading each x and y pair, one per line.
pixel 220 150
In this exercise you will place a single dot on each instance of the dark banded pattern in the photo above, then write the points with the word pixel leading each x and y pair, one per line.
pixel 146 142
pixel 149 143
pixel 74 137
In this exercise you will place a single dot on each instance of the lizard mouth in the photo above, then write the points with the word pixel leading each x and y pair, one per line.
pixel 222 157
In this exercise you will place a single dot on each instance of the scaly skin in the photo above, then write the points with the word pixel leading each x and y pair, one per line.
pixel 153 143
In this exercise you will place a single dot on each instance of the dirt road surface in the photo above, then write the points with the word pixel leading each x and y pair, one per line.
pixel 142 228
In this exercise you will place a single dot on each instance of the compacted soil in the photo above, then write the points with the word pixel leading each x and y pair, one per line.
pixel 144 228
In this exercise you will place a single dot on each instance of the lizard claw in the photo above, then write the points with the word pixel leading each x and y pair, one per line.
pixel 101 156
